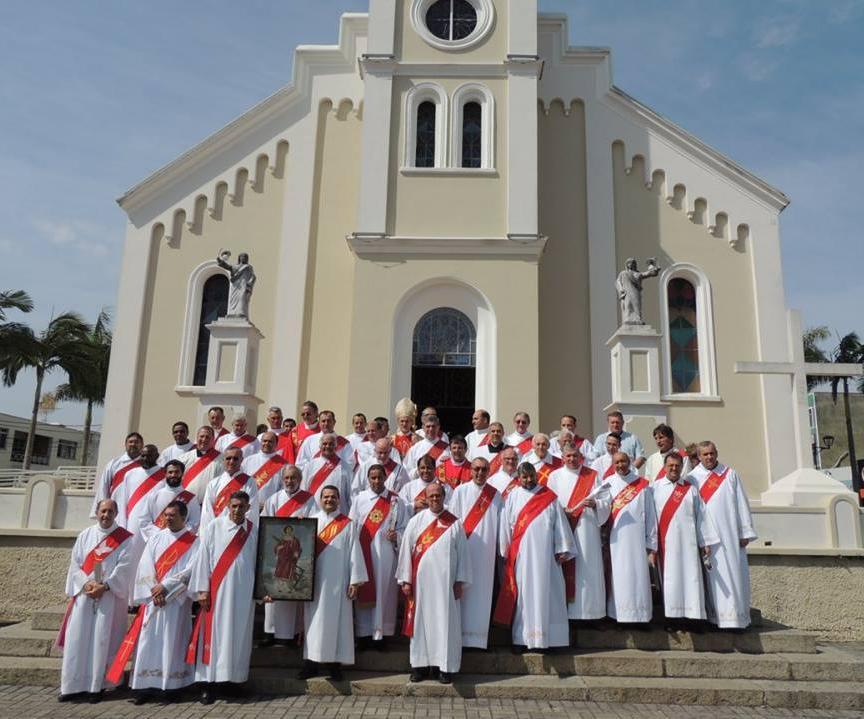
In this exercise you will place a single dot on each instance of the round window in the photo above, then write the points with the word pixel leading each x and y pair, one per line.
pixel 451 19
pixel 452 24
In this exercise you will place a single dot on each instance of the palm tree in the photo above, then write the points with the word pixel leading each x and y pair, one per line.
pixel 90 385
pixel 62 344
pixel 849 349
pixel 814 353
pixel 14 300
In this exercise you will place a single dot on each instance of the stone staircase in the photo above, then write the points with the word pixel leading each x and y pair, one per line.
pixel 769 665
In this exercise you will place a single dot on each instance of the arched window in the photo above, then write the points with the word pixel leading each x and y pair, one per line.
pixel 444 337
pixel 683 336
pixel 472 135
pixel 687 319
pixel 425 148
pixel 214 304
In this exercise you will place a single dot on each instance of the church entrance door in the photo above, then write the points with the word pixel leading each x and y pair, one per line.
pixel 443 367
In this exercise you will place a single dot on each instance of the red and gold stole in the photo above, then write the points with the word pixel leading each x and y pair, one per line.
pixel 509 593
pixel 625 496
pixel 712 484
pixel 610 470
pixel 144 488
pixel 169 558
pixel 376 517
pixel 582 488
pixel 478 509
pixel 117 477
pixel 204 620
pixel 437 449
pixel 95 556
pixel 321 475
pixel 240 442
pixel 330 532
pixel 403 442
pixel 495 464
pixel 672 504
pixel 546 468
pixel 510 487
pixel 185 496
pixel 200 465
pixel 453 475
pixel 341 443
pixel 662 473
pixel 235 484
pixel 268 469
pixel 294 503
pixel 427 538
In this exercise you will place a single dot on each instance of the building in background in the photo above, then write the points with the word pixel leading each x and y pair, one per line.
pixel 56 445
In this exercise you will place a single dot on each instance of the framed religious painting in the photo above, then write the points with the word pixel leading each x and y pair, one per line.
pixel 285 567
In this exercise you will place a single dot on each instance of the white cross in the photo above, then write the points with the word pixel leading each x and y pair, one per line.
pixel 798 371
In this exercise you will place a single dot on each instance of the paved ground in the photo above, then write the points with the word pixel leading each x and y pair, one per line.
pixel 35 702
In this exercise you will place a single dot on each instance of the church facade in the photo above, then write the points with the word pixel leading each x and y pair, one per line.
pixel 437 207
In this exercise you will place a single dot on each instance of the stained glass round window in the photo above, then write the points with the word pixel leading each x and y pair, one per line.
pixel 451 19
pixel 444 337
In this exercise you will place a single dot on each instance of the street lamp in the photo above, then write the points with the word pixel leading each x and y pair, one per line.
pixel 828 440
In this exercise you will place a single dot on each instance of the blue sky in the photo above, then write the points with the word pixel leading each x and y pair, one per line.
pixel 98 94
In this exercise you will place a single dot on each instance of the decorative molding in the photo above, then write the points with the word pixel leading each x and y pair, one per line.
pixel 485 20
pixel 450 171
pixel 189 338
pixel 426 92
pixel 391 247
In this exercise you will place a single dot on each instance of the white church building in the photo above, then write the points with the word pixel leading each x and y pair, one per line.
pixel 437 207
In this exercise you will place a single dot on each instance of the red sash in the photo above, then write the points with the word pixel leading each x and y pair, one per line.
pixel 221 433
pixel 285 447
pixel 200 465
pixel 323 472
pixel 390 465
pixel 268 469
pixel 235 484
pixel 169 558
pixel 509 593
pixel 625 496
pixel 301 432
pixel 510 487
pixel 422 492
pixel 341 443
pixel 240 442
pixel 294 503
pixel 117 477
pixel 712 484
pixel 427 538
pixel 330 532
pixel 525 446
pixel 449 473
pixel 437 449
pixel 662 473
pixel 495 464
pixel 403 442
pixel 669 509
pixel 478 510
pixel 610 470
pixel 204 620
pixel 547 468
pixel 582 488
pixel 144 488
pixel 484 440
pixel 184 496
pixel 376 517
pixel 95 556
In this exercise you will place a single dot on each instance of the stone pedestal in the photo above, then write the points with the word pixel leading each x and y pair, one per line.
pixel 635 355
pixel 232 367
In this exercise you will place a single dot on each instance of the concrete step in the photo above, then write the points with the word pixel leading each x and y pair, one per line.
pixel 48 619
pixel 21 640
pixel 45 671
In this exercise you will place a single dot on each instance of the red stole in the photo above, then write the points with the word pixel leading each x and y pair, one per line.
pixel 546 468
pixel 422 492
pixel 625 496
pixel 427 538
pixel 341 443
pixel 403 442
pixel 495 464
pixel 510 487
pixel 662 473
pixel 95 556
pixel 479 508
pixel 268 469
pixel 376 517
pixel 453 475
pixel 200 465
pixel 144 488
pixel 610 470
pixel 323 472
pixel 294 503
pixel 235 484
pixel 437 449
pixel 221 433
pixel 712 484
pixel 525 446
pixel 582 488
pixel 508 595
pixel 390 465
pixel 672 504
pixel 240 442
pixel 185 496
pixel 117 477
pixel 285 447
pixel 484 440
pixel 204 620
pixel 330 532
pixel 301 432
pixel 169 558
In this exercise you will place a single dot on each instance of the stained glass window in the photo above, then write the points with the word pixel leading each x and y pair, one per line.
pixel 214 304
pixel 451 19
pixel 425 154
pixel 683 336
pixel 472 135
pixel 444 337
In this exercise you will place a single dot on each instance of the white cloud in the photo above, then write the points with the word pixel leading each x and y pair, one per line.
pixel 777 32
pixel 82 237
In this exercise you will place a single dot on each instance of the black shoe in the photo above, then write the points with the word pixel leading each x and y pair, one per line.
pixel 69 697
pixel 309 670
pixel 519 649
pixel 417 675
pixel 335 672
pixel 139 698
pixel 94 697
pixel 207 696
pixel 434 673
pixel 379 645
pixel 445 678
pixel 268 641
pixel 364 643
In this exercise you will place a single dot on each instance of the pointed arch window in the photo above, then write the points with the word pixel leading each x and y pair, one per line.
pixel 214 304
pixel 425 148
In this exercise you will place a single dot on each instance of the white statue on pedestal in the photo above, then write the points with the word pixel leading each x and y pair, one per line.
pixel 242 278
pixel 629 289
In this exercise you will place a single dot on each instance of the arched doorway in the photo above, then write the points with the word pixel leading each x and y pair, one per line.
pixel 443 367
